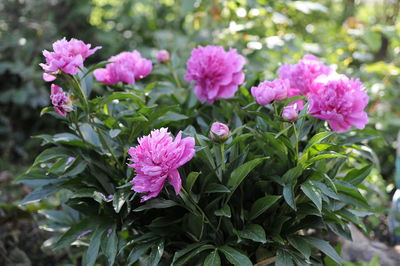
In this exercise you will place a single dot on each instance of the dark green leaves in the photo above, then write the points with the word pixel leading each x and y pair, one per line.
pixel 324 247
pixel 212 259
pixel 235 257
pixel 313 194
pixel 253 232
pixel 239 174
pixel 261 205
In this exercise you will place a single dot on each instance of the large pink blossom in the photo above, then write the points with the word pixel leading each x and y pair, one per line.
pixel 68 57
pixel 340 101
pixel 269 91
pixel 216 73
pixel 157 158
pixel 124 67
pixel 302 74
pixel 60 100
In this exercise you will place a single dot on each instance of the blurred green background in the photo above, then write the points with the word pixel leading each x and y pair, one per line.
pixel 359 38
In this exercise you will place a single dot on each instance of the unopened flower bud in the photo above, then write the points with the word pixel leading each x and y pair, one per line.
pixel 162 56
pixel 219 132
pixel 291 111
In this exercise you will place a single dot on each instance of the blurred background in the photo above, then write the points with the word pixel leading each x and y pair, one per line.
pixel 360 38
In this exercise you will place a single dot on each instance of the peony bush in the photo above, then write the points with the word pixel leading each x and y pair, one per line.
pixel 225 169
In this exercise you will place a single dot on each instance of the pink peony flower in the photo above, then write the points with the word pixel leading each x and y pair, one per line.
pixel 68 57
pixel 291 111
pixel 216 73
pixel 124 67
pixel 269 91
pixel 340 101
pixel 157 158
pixel 219 132
pixel 162 56
pixel 61 101
pixel 302 74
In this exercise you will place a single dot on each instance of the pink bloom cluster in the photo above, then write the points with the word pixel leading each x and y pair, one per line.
pixel 124 67
pixel 302 75
pixel 269 91
pixel 157 158
pixel 162 56
pixel 216 73
pixel 68 57
pixel 61 101
pixel 339 100
pixel 291 111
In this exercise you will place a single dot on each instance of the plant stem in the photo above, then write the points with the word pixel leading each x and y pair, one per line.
pixel 222 150
pixel 200 210
pixel 297 142
pixel 178 83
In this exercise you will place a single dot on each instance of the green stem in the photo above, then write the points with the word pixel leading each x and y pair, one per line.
pixel 82 94
pixel 109 148
pixel 178 83
pixel 200 210
pixel 222 150
pixel 297 142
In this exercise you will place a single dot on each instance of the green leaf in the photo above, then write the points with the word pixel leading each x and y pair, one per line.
pixel 124 96
pixel 40 193
pixel 156 253
pixel 119 199
pixel 186 250
pixel 50 154
pixel 328 155
pixel 225 211
pixel 156 204
pixel 318 138
pixel 71 235
pixel 261 205
pixel 239 174
pixel 283 258
pixel 235 257
pixel 212 259
pixel 111 246
pixel 292 174
pixel 90 135
pixel 91 253
pixel 114 132
pixel 191 254
pixel 253 232
pixel 357 176
pixel 288 195
pixel 191 179
pixel 325 247
pixel 312 194
pixel 301 245
pixel 137 252
pixel 216 188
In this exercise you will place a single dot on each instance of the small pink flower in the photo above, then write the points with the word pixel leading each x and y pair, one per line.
pixel 157 158
pixel 340 101
pixel 291 111
pixel 124 67
pixel 302 74
pixel 61 101
pixel 216 73
pixel 68 57
pixel 269 91
pixel 162 56
pixel 219 132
